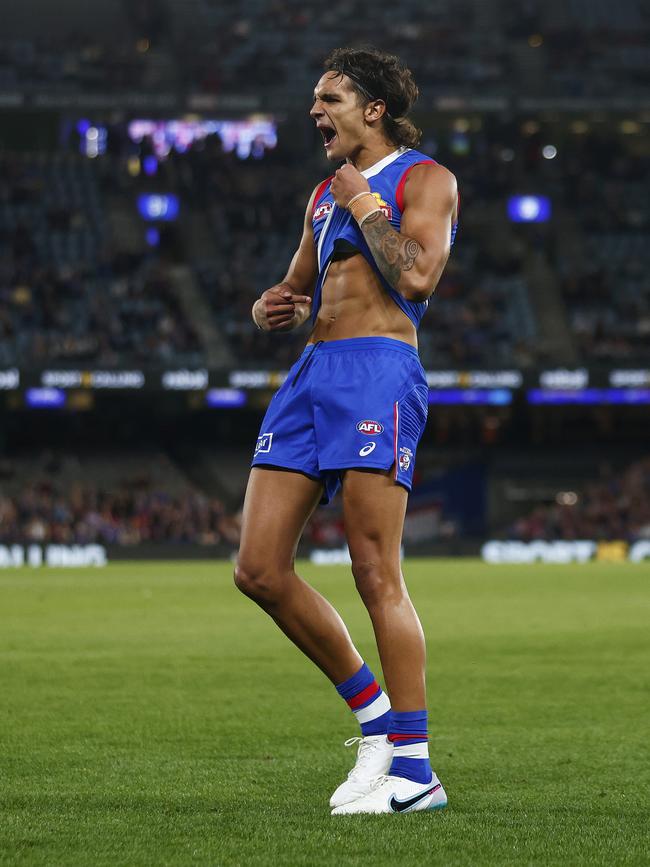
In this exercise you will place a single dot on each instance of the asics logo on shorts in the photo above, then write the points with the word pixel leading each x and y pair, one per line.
pixel 365 451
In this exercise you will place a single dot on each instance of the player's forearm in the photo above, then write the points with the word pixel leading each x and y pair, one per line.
pixel 396 256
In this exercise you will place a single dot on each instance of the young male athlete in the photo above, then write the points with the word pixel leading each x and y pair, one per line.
pixel 376 238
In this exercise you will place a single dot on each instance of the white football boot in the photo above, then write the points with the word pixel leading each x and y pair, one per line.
pixel 397 795
pixel 374 757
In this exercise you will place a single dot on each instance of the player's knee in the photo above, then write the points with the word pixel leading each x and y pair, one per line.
pixel 376 583
pixel 257 582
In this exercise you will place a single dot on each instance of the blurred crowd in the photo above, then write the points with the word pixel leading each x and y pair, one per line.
pixel 128 515
pixel 70 290
pixel 604 260
pixel 66 294
pixel 556 47
pixel 617 507
pixel 113 312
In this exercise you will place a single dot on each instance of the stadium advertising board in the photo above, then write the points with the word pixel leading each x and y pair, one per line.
pixel 579 551
pixel 547 387
pixel 52 555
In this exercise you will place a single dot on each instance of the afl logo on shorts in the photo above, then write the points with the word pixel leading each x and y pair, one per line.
pixel 370 428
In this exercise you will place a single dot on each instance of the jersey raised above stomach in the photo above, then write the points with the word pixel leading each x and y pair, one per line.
pixel 354 303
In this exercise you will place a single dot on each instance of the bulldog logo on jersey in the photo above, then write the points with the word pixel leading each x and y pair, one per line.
pixel 322 210
pixel 386 209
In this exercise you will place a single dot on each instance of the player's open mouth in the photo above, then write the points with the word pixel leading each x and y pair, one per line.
pixel 328 133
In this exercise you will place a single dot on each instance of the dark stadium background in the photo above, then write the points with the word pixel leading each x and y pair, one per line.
pixel 132 381
pixel 155 161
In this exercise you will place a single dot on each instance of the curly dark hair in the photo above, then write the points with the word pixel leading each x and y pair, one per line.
pixel 377 75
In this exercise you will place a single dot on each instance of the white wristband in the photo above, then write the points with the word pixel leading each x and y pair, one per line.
pixel 358 196
pixel 253 316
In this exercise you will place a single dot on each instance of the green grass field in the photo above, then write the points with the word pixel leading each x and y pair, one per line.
pixel 151 715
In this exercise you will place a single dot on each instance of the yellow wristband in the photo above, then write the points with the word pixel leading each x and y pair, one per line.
pixel 363 206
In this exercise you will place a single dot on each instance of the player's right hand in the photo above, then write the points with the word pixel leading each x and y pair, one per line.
pixel 276 309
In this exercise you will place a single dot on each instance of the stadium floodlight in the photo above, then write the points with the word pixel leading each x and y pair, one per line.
pixel 156 206
pixel 529 209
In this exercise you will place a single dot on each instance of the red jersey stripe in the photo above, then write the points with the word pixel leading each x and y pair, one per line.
pixel 399 192
pixel 319 192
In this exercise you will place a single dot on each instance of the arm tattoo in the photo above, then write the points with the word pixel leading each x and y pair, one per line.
pixel 393 252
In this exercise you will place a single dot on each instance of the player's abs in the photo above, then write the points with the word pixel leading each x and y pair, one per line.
pixel 354 304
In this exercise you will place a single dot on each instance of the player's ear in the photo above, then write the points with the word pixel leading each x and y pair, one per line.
pixel 374 110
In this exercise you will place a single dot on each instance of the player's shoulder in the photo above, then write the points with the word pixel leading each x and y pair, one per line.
pixel 427 169
pixel 424 177
pixel 432 176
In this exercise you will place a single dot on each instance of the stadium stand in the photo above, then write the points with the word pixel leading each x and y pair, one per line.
pixel 65 293
pixel 121 498
pixel 615 507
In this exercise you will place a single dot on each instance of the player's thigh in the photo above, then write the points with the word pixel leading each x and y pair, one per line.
pixel 374 507
pixel 277 506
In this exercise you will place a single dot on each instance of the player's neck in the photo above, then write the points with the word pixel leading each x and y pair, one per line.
pixel 368 155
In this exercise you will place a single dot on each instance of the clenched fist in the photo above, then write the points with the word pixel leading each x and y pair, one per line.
pixel 348 183
pixel 275 310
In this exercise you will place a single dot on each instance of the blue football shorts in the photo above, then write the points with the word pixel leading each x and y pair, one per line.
pixel 358 403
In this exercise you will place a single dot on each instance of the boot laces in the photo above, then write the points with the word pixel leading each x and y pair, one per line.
pixel 367 747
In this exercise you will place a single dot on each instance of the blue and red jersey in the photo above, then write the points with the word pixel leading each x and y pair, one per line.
pixel 331 223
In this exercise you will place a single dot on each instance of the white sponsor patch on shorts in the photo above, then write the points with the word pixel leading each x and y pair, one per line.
pixel 264 442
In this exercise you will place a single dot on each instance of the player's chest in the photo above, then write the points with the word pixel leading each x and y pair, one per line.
pixel 328 217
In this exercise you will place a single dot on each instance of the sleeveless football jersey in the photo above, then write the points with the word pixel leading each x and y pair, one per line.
pixel 331 223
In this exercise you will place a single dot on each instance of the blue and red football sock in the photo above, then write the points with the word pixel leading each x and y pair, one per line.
pixel 407 731
pixel 367 701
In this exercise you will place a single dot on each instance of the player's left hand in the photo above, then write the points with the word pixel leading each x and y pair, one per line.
pixel 348 183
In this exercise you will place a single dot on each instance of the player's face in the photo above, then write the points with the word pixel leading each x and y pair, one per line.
pixel 339 116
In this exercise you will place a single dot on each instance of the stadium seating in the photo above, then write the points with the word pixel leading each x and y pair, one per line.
pixel 558 49
pixel 615 507
pixel 65 293
pixel 121 497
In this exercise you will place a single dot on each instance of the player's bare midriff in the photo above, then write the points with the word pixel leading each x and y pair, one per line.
pixel 355 304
